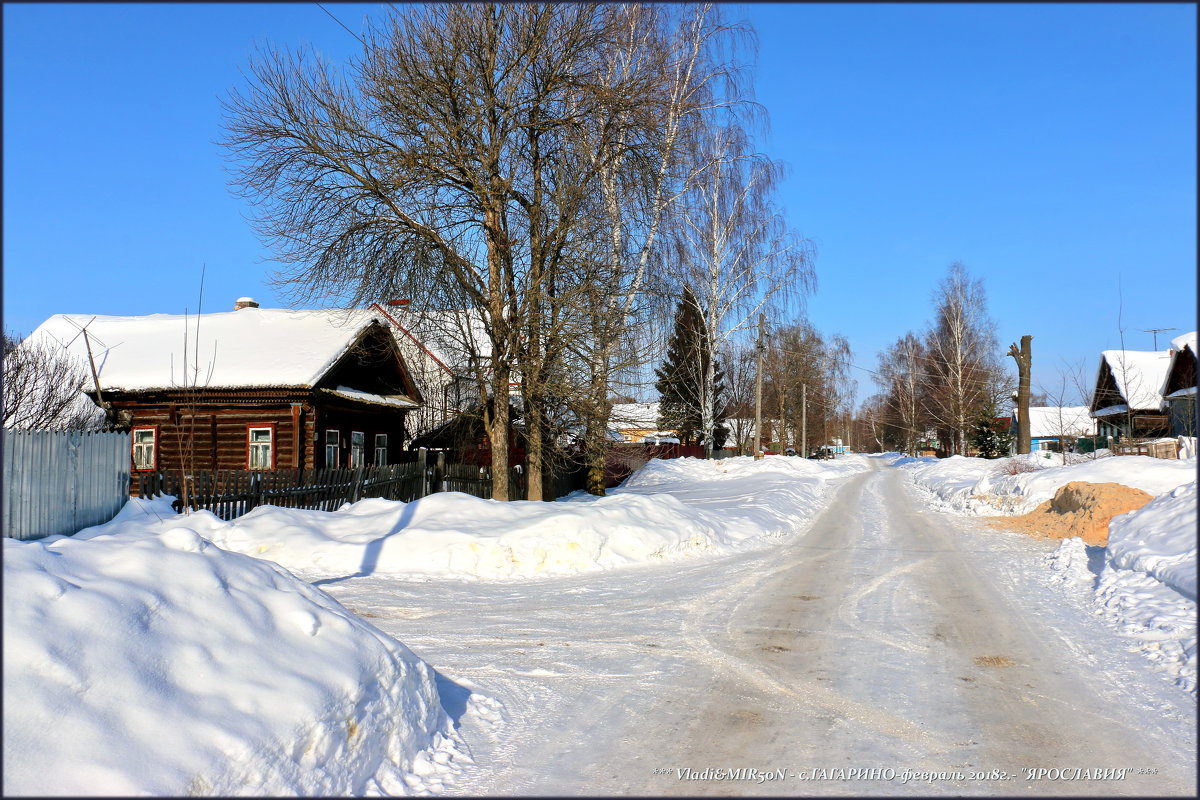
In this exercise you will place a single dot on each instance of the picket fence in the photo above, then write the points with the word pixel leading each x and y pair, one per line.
pixel 57 482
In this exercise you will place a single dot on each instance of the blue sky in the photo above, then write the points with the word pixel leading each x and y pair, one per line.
pixel 1050 148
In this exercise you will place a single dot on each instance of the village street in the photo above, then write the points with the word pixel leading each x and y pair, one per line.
pixel 885 636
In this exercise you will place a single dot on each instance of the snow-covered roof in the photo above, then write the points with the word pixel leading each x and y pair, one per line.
pixel 638 416
pixel 1047 421
pixel 1120 408
pixel 1139 375
pixel 450 337
pixel 1188 339
pixel 348 393
pixel 251 347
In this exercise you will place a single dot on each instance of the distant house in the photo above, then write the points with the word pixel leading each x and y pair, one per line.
pixel 637 422
pixel 1179 389
pixel 1127 400
pixel 1056 427
pixel 251 389
pixel 443 350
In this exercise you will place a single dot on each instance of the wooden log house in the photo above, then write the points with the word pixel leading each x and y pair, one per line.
pixel 1127 399
pixel 254 388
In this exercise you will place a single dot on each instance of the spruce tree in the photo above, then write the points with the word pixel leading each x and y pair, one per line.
pixel 681 377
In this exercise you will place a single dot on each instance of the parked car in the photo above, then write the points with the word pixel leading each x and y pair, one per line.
pixel 822 453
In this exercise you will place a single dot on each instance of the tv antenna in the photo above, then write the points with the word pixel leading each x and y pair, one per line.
pixel 1156 332
pixel 83 331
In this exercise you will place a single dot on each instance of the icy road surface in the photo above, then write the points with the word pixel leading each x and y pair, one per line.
pixel 884 636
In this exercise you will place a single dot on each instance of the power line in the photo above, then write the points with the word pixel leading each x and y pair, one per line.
pixel 339 22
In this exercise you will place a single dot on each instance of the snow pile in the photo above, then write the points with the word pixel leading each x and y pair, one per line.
pixel 669 509
pixel 1069 564
pixel 984 487
pixel 141 659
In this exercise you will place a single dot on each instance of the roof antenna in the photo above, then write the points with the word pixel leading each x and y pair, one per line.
pixel 1156 332
pixel 92 363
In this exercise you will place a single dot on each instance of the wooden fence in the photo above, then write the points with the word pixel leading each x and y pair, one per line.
pixel 1160 448
pixel 231 493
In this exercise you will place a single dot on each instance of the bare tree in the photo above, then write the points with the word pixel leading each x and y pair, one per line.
pixel 444 165
pixel 734 248
pixel 738 361
pixel 44 388
pixel 961 355
pixel 680 56
pixel 902 378
pixel 515 160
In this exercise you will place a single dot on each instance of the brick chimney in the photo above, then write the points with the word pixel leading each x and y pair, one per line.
pixel 245 302
pixel 403 302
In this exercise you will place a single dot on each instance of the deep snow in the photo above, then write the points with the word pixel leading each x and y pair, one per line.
pixel 140 658
pixel 234 677
pixel 148 655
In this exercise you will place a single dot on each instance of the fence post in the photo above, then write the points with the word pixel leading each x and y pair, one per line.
pixel 422 465
pixel 356 485
pixel 257 478
pixel 438 472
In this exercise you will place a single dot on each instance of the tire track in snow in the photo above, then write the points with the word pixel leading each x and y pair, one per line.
pixel 806 694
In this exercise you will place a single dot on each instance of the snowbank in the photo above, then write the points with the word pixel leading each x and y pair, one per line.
pixel 142 661
pixel 981 486
pixel 669 509
pixel 1147 588
pixel 1159 540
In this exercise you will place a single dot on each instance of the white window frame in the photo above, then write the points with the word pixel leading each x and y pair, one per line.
pixel 141 447
pixel 358 448
pixel 381 444
pixel 260 447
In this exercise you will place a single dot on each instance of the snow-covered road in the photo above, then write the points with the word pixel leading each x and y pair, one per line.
pixel 883 636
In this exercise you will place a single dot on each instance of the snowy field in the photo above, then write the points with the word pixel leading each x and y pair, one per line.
pixel 1145 585
pixel 189 658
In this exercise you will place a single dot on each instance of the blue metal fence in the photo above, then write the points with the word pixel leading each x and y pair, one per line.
pixel 62 481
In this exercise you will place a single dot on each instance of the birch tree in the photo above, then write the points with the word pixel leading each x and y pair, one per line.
pixel 734 248
pixel 686 51
pixel 961 357
pixel 901 375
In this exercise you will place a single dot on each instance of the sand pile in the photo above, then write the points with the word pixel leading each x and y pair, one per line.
pixel 1078 509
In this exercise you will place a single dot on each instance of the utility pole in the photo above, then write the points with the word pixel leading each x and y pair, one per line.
pixel 762 324
pixel 804 419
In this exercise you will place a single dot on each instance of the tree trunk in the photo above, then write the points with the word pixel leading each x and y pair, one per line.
pixel 1024 359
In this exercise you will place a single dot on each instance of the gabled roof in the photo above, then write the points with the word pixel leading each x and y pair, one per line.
pixel 1048 421
pixel 1186 340
pixel 450 338
pixel 1137 375
pixel 248 348
pixel 1181 375
pixel 634 416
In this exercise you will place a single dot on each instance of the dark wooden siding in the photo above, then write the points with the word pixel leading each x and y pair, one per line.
pixel 345 420
pixel 216 426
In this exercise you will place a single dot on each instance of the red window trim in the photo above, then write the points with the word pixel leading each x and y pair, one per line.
pixel 154 450
pixel 274 443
